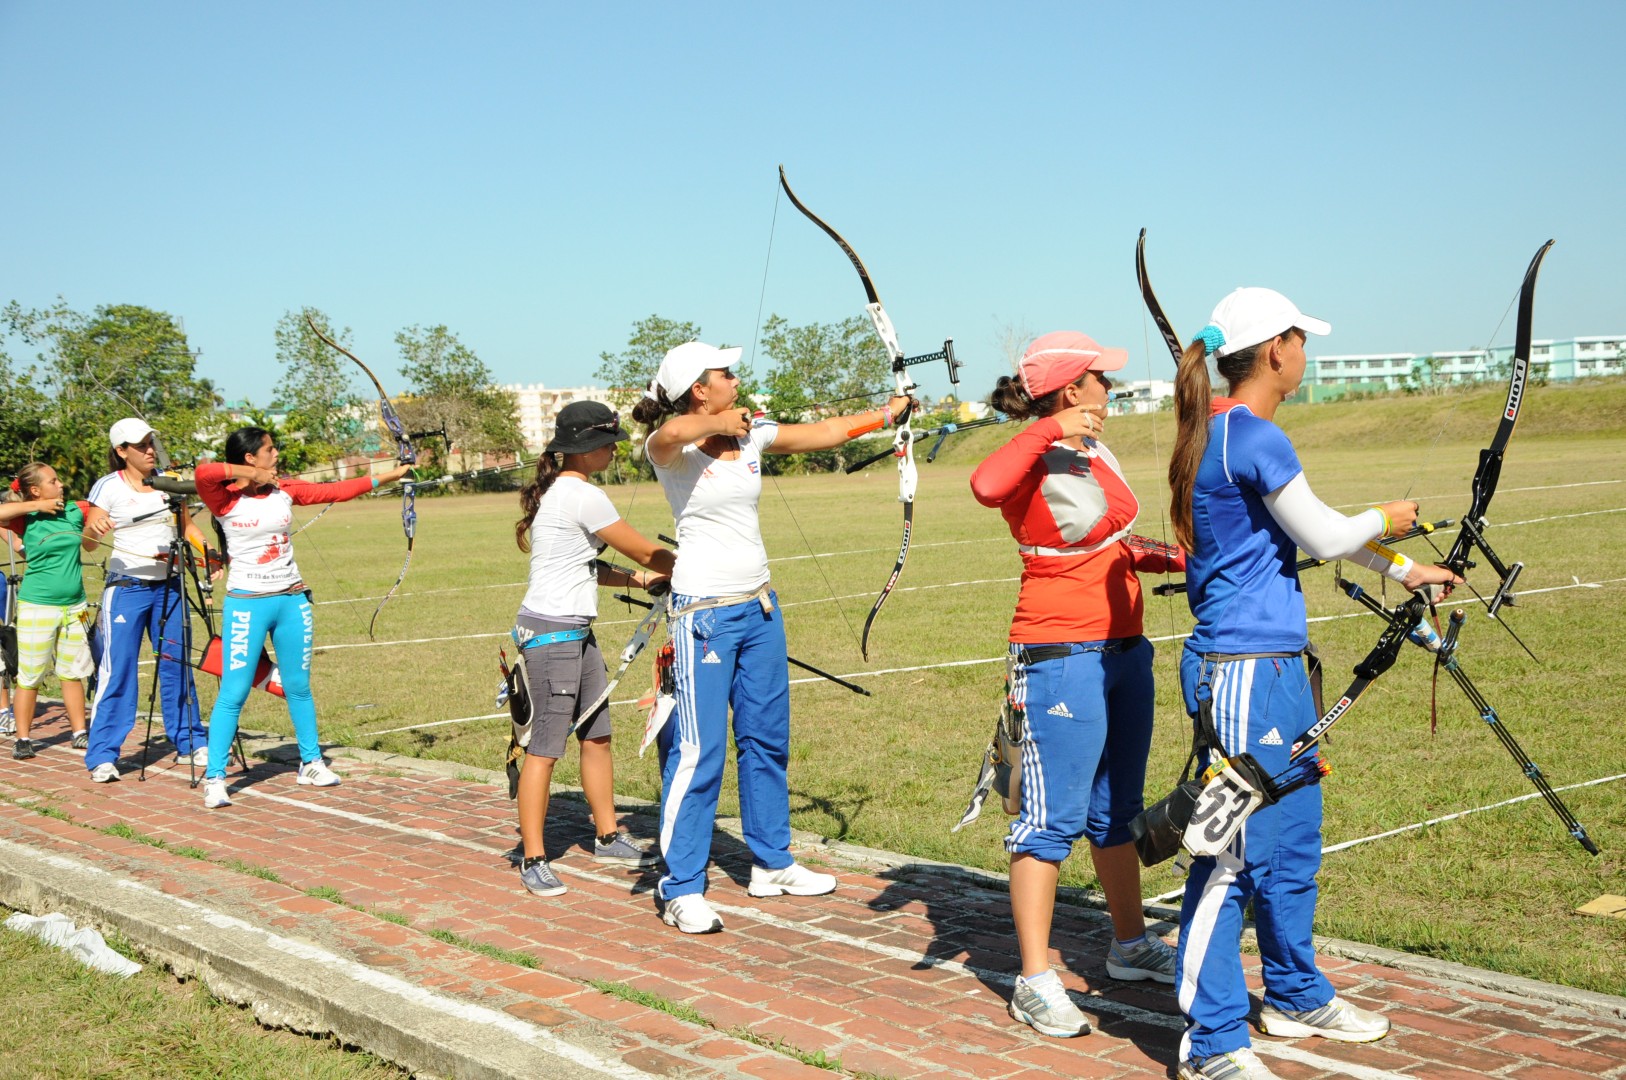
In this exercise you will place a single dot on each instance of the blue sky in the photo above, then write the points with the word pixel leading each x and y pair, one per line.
pixel 539 176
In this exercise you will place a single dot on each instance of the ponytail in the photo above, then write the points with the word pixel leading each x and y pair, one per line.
pixel 29 476
pixel 1192 392
pixel 530 496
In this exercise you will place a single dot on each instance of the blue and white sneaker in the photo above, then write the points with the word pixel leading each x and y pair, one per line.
pixel 540 880
pixel 8 722
pixel 625 850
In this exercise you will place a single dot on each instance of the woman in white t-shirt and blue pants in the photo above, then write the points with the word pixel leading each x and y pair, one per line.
pixel 140 602
pixel 567 522
pixel 727 633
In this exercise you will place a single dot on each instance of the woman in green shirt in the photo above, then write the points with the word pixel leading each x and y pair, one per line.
pixel 51 598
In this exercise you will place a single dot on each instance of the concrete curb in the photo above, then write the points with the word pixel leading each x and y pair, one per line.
pixel 296 985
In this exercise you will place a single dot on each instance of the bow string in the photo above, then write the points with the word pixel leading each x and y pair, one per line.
pixel 405 453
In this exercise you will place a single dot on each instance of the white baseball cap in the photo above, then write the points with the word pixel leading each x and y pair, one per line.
pixel 684 366
pixel 128 431
pixel 1250 316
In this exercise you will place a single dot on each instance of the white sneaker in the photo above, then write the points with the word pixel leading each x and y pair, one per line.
pixel 104 773
pixel 1239 1064
pixel 214 792
pixel 1042 1003
pixel 691 914
pixel 795 879
pixel 200 757
pixel 8 722
pixel 1337 1020
pixel 317 774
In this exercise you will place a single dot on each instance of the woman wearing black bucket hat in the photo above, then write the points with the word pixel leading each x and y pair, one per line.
pixel 567 521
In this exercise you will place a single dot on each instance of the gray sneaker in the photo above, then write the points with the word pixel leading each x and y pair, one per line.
pixel 540 880
pixel 625 850
pixel 1240 1064
pixel 1042 1003
pixel 22 749
pixel 1337 1020
pixel 81 739
pixel 1152 959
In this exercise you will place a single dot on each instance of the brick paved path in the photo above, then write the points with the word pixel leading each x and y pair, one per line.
pixel 903 972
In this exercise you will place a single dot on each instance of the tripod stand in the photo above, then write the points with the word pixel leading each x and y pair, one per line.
pixel 181 568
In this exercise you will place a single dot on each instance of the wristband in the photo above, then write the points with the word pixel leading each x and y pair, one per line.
pixel 1388 526
pixel 886 417
pixel 374 481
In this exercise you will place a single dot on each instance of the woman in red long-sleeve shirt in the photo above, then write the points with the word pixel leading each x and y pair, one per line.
pixel 1081 672
pixel 265 594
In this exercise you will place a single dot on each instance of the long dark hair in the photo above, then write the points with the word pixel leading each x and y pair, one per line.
pixel 239 445
pixel 1192 391
pixel 243 442
pixel 530 497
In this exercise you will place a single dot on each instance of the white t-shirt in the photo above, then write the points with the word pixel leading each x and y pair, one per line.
pixel 563 580
pixel 142 527
pixel 714 503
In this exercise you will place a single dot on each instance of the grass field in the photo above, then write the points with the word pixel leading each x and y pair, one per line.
pixel 1496 889
pixel 69 1022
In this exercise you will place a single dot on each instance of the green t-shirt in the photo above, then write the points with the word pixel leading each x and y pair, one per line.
pixel 51 542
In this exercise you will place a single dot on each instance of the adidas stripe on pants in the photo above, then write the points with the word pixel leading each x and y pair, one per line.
pixel 1087 727
pixel 725 657
pixel 1273 862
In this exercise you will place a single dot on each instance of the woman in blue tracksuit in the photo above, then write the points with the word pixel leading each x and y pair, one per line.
pixel 727 633
pixel 1241 509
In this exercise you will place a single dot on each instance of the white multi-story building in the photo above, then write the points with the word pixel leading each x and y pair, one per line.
pixel 1555 361
pixel 536 406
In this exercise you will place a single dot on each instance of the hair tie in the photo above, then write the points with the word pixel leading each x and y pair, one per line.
pixel 649 391
pixel 16 485
pixel 1212 338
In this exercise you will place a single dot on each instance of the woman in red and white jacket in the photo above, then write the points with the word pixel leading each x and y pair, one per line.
pixel 1081 671
pixel 265 595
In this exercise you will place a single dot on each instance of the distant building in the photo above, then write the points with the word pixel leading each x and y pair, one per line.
pixel 536 407
pixel 1330 377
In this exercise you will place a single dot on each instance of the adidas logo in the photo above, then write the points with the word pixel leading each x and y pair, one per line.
pixel 119 619
pixel 1271 738
pixel 712 658
pixel 1059 709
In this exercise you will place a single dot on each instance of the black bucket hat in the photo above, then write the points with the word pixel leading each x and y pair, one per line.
pixel 583 426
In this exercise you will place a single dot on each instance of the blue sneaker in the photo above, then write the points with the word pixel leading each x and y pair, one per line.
pixel 540 880
pixel 625 850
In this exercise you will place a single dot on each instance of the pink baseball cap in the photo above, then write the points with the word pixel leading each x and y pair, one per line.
pixel 1062 357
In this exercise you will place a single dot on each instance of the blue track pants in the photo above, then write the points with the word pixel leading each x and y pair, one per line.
pixel 725 658
pixel 1260 706
pixel 134 613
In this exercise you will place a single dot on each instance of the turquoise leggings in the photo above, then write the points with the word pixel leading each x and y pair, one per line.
pixel 287 619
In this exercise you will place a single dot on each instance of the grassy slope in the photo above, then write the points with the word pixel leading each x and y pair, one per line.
pixel 1496 889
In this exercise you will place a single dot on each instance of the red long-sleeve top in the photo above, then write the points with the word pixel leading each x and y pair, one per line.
pixel 1070 512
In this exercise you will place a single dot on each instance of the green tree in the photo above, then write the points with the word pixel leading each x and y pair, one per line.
pixel 628 372
pixel 454 394
pixel 121 360
pixel 324 411
pixel 836 363
pixel 24 415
